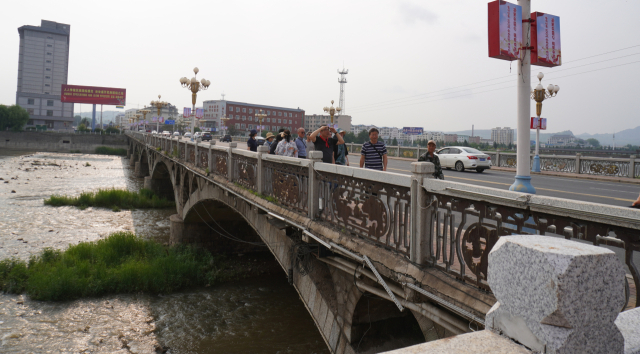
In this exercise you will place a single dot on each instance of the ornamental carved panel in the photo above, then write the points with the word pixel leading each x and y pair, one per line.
pixel 204 159
pixel 220 161
pixel 245 171
pixel 606 168
pixel 377 211
pixel 289 184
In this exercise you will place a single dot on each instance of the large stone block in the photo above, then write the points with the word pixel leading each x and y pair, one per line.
pixel 628 323
pixel 556 295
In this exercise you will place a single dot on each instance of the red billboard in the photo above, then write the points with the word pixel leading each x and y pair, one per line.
pixel 545 39
pixel 94 95
pixel 505 30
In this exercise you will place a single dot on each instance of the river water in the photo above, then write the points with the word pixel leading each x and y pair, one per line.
pixel 262 315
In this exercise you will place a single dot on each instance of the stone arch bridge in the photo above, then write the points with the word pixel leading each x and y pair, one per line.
pixel 380 260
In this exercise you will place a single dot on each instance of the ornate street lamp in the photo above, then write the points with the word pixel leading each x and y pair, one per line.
pixel 159 105
pixel 195 87
pixel 224 120
pixel 539 94
pixel 332 111
pixel 144 117
pixel 260 117
pixel 137 117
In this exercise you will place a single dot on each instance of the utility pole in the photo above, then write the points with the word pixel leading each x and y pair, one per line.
pixel 523 174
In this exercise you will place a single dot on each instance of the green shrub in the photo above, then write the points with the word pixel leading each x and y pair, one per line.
pixel 120 263
pixel 105 150
pixel 115 199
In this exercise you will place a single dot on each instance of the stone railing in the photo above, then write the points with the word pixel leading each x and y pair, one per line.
pixel 448 225
pixel 617 167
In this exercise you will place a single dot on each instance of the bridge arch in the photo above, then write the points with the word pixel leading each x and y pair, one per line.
pixel 160 179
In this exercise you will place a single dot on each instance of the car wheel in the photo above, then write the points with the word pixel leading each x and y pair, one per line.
pixel 480 170
pixel 459 166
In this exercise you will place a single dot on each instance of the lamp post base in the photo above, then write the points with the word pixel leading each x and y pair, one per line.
pixel 536 164
pixel 523 184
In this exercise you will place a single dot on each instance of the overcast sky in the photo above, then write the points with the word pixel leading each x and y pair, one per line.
pixel 411 63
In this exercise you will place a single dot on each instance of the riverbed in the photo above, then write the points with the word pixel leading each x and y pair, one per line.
pixel 259 315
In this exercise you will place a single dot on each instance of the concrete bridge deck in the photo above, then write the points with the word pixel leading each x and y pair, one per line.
pixel 380 260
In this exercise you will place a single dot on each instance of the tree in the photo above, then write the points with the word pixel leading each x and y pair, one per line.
pixel 112 130
pixel 349 138
pixel 82 128
pixel 362 137
pixel 13 117
pixel 86 122
pixel 394 142
pixel 594 142
pixel 232 131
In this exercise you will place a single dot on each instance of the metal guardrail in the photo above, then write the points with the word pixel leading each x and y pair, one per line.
pixel 459 222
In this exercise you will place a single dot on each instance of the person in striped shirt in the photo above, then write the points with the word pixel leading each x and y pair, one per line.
pixel 374 153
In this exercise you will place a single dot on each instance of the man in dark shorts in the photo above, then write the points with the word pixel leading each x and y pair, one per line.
pixel 430 156
pixel 322 141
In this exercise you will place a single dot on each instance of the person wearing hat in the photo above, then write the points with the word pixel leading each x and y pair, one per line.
pixel 269 138
pixel 430 156
pixel 340 152
pixel 252 143
pixel 274 145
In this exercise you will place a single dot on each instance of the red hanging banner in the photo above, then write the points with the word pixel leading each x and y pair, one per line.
pixel 545 40
pixel 505 30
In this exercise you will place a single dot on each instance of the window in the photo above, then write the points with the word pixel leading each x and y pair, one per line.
pixel 49 45
pixel 50 113
pixel 250 119
pixel 280 114
pixel 237 117
pixel 279 120
pixel 237 109
pixel 46 93
pixel 244 118
pixel 250 110
pixel 268 112
pixel 244 110
pixel 48 53
pixel 30 111
pixel 230 109
pixel 242 126
pixel 268 120
pixel 31 101
pixel 49 37
pixel 290 115
pixel 47 85
pixel 237 125
pixel 49 61
pixel 47 77
pixel 290 121
pixel 250 126
pixel 49 102
pixel 48 69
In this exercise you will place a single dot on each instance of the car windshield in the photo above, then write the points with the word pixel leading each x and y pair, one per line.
pixel 473 151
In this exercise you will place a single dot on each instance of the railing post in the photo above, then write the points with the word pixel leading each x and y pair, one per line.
pixel 497 158
pixel 578 155
pixel 420 248
pixel 260 183
pixel 314 205
pixel 196 161
pixel 210 164
pixel 632 166
pixel 230 161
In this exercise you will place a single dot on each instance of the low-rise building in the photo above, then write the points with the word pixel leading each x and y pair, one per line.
pixel 451 138
pixel 241 116
pixel 562 140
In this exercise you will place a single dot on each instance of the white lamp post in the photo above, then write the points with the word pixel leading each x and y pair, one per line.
pixel 539 95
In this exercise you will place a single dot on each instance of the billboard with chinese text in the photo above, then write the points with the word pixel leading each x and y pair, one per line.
pixel 94 95
pixel 505 30
pixel 412 130
pixel 545 40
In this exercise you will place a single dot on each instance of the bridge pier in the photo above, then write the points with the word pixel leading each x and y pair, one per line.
pixel 141 169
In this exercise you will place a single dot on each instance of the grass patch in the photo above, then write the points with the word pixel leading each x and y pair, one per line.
pixel 120 263
pixel 115 199
pixel 265 197
pixel 105 150
pixel 87 164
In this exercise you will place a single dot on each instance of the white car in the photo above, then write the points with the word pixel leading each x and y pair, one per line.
pixel 166 133
pixel 462 157
pixel 154 132
pixel 176 133
pixel 196 135
pixel 187 135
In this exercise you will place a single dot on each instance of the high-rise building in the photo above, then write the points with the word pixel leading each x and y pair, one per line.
pixel 315 121
pixel 502 135
pixel 42 70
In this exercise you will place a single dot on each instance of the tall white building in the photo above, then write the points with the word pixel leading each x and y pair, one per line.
pixel 43 66
pixel 315 121
pixel 502 135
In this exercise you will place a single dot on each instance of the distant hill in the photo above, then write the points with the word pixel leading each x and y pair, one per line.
pixel 624 137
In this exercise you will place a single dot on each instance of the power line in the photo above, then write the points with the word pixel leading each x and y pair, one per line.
pixel 501 88
pixel 411 98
